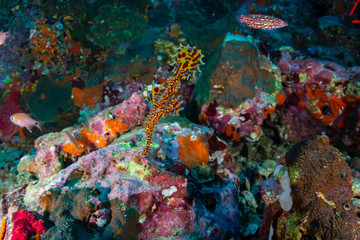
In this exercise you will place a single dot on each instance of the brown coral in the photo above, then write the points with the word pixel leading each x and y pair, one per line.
pixel 321 190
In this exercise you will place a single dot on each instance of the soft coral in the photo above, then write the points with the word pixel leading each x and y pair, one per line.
pixel 26 225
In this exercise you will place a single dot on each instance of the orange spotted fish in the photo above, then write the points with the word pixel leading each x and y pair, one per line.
pixel 24 120
pixel 264 22
pixel 165 99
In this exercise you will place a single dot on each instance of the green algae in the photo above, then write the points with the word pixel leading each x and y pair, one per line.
pixel 134 169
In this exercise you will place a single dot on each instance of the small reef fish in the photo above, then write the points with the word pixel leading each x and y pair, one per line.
pixel 3 36
pixel 72 140
pixel 24 120
pixel 264 22
pixel 174 30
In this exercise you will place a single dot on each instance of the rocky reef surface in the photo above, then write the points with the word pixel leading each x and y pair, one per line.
pixel 191 185
pixel 259 138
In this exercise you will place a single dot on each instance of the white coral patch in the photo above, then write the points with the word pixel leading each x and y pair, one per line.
pixel 169 191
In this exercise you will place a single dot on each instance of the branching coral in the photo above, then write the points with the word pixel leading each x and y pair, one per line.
pixel 167 101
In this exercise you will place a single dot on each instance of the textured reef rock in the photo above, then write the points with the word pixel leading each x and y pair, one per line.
pixel 105 188
pixel 236 72
pixel 238 90
pixel 320 195
pixel 322 94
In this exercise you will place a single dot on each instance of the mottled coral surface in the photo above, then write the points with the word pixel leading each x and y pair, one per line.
pixel 321 191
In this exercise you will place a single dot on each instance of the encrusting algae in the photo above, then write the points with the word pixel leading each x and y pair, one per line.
pixel 89 137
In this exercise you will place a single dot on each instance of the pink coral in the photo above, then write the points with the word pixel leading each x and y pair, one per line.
pixel 26 225
pixel 131 111
pixel 98 127
pixel 46 161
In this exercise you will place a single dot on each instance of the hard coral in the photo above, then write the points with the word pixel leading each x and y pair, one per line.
pixel 26 225
pixel 326 200
pixel 321 190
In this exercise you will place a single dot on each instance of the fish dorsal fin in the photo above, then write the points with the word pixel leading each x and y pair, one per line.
pixel 186 61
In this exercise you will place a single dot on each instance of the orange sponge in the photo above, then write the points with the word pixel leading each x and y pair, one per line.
pixel 70 149
pixel 114 126
pixel 193 152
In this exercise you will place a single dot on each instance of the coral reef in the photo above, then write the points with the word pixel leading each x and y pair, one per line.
pixel 52 97
pixel 112 190
pixel 118 158
pixel 117 24
pixel 321 93
pixel 321 192
pixel 9 106
pixel 238 90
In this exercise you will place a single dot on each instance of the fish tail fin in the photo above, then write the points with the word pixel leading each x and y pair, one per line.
pixel 243 18
pixel 39 125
